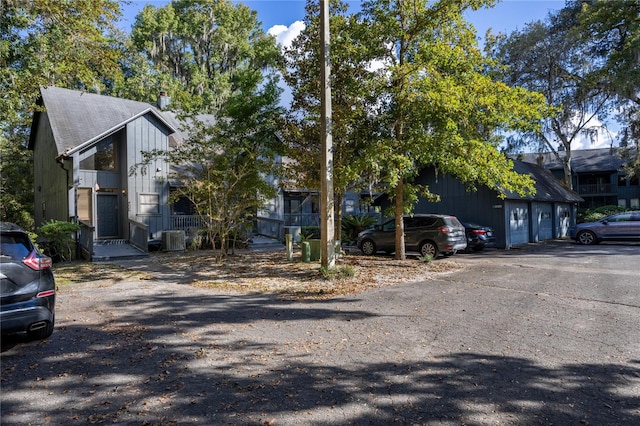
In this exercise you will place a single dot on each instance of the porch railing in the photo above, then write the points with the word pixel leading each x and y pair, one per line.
pixel 190 224
pixel 598 188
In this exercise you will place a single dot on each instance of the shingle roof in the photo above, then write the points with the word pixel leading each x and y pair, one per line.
pixel 582 160
pixel 548 187
pixel 77 118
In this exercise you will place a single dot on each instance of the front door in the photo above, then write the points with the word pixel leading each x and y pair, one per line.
pixel 107 215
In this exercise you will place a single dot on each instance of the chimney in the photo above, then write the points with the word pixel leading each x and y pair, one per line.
pixel 163 100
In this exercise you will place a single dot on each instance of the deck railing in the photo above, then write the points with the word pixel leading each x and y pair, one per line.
pixel 598 188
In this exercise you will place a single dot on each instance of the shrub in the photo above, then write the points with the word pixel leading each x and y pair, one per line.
pixel 310 232
pixel 599 213
pixel 353 225
pixel 58 240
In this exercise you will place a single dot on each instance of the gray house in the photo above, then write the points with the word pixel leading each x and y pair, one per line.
pixel 516 220
pixel 598 176
pixel 83 148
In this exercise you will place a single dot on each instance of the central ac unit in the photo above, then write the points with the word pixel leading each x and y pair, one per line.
pixel 173 240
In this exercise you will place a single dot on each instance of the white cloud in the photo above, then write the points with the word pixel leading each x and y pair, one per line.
pixel 285 35
pixel 595 134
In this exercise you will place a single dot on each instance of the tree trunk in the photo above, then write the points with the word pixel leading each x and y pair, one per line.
pixel 399 213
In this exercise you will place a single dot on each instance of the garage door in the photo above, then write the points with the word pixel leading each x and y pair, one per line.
pixel 545 222
pixel 518 223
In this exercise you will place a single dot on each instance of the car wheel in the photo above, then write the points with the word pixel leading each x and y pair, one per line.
pixel 41 333
pixel 587 237
pixel 428 249
pixel 368 247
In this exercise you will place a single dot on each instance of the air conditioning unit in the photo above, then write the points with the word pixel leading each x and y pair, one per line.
pixel 173 241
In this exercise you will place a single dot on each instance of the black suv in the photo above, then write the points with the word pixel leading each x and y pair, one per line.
pixel 28 290
pixel 429 234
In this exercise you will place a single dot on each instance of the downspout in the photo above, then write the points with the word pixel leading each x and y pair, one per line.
pixel 60 160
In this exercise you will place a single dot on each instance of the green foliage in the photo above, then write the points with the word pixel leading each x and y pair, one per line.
pixel 203 51
pixel 426 258
pixel 59 239
pixel 42 43
pixel 354 224
pixel 309 233
pixel 337 273
pixel 16 183
pixel 599 213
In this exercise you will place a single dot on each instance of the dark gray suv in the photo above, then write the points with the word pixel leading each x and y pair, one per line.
pixel 28 289
pixel 429 234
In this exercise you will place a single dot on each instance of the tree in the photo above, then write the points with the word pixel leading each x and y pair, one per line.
pixel 229 104
pixel 204 49
pixel 550 58
pixel 46 42
pixel 350 102
pixel 437 104
pixel 612 31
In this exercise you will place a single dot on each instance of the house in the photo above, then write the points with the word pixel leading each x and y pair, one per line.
pixel 84 147
pixel 516 220
pixel 597 176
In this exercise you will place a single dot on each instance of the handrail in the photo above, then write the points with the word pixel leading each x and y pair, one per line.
pixel 85 239
pixel 139 235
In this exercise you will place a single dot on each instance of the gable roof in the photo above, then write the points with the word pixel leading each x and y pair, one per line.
pixel 582 160
pixel 78 119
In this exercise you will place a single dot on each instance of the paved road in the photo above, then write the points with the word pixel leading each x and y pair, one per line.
pixel 545 335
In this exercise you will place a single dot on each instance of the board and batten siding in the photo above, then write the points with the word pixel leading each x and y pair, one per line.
pixel 481 207
pixel 51 197
pixel 147 185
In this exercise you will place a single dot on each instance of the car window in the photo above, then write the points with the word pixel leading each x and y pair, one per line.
pixel 625 217
pixel 14 247
pixel 389 226
pixel 429 221
pixel 410 222
pixel 453 221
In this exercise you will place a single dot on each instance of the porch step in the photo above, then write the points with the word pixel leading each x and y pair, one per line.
pixel 106 250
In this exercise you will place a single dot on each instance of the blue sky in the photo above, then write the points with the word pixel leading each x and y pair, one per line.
pixel 506 16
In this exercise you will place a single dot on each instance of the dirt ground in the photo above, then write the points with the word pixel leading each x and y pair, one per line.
pixel 262 272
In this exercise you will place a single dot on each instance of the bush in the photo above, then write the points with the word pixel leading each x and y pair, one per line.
pixel 599 213
pixel 58 240
pixel 310 233
pixel 353 225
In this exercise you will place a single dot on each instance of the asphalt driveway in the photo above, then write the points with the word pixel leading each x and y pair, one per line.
pixel 544 335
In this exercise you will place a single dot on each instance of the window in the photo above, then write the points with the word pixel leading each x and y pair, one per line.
pixel 635 203
pixel 633 181
pixel 622 202
pixel 85 213
pixel 622 180
pixel 149 204
pixel 102 157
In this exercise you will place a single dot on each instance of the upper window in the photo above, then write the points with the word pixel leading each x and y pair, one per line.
pixel 102 157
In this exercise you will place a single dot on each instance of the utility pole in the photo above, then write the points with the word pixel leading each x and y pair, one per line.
pixel 327 234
